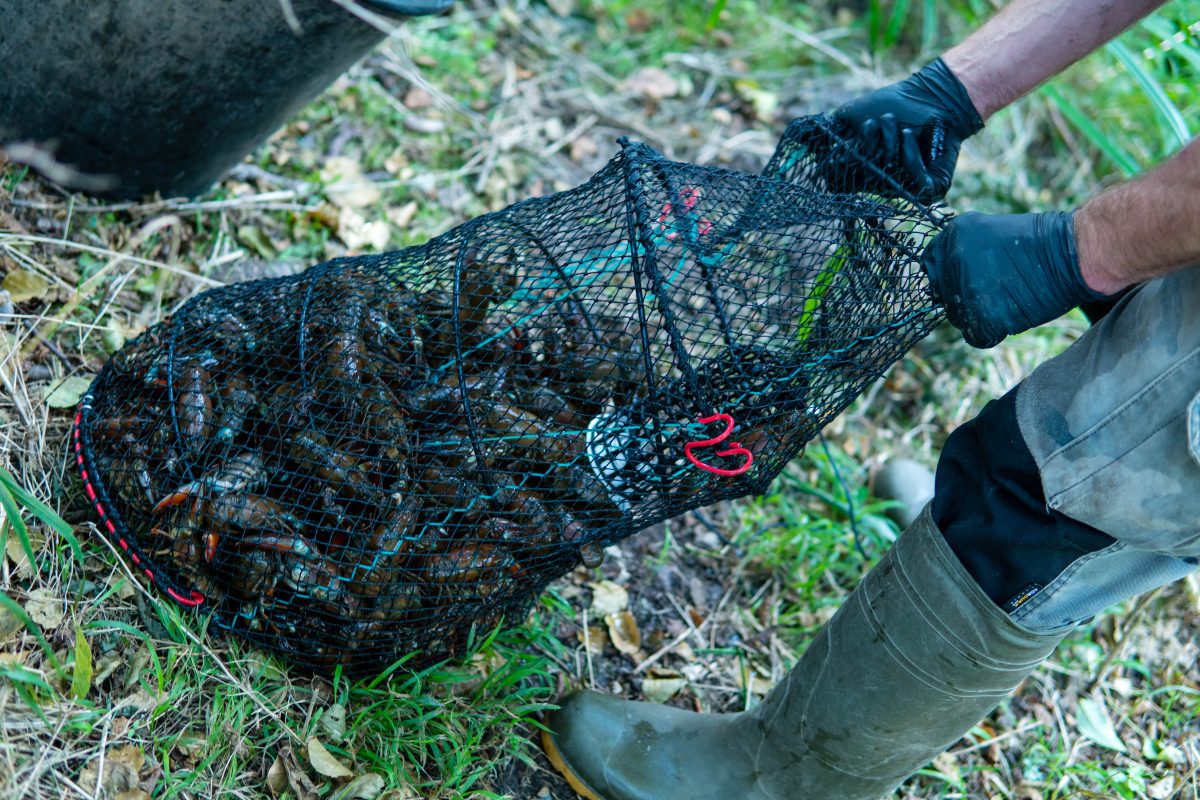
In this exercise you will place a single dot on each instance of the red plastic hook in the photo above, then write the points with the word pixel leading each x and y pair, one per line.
pixel 734 449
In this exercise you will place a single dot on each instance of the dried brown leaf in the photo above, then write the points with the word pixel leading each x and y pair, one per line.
pixel 334 721
pixel 595 640
pixel 16 554
pixel 345 184
pixel 417 98
pixel 364 787
pixel 324 762
pixel 45 608
pixel 402 216
pixel 624 633
pixel 654 83
pixel 608 598
pixel 277 780
pixel 121 768
pixel 23 285
pixel 661 684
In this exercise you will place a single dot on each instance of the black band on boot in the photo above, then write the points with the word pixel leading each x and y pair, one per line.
pixel 988 503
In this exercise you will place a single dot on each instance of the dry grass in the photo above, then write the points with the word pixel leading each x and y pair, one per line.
pixel 452 118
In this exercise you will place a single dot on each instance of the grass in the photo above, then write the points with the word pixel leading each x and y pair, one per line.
pixel 102 685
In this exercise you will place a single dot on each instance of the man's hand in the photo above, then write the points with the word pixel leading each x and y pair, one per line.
pixel 1002 274
pixel 912 130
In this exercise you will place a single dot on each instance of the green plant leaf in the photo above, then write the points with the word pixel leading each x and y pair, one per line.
pixel 12 514
pixel 42 512
pixel 1176 133
pixel 81 680
pixel 1093 721
pixel 1126 163
pixel 67 393
pixel 714 16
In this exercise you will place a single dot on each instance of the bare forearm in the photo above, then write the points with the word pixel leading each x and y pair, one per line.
pixel 1029 41
pixel 1142 229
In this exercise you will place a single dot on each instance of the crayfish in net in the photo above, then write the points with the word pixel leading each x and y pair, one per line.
pixel 385 453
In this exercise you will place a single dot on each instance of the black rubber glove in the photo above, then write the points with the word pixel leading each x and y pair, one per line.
pixel 912 130
pixel 1006 273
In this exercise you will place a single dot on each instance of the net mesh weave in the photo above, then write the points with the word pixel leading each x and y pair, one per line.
pixel 381 453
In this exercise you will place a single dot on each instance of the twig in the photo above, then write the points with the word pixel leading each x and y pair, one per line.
pixel 587 650
pixel 994 739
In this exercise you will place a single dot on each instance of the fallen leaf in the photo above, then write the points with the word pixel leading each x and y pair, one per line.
pixel 765 103
pixel 402 216
pixel 1163 789
pixel 334 721
pixel 277 780
pixel 654 83
pixel 192 745
pixel 345 184
pixel 45 608
pixel 403 793
pixel 67 393
pixel 595 640
pixel 121 768
pixel 948 766
pixel 624 633
pixel 113 340
pixel 355 231
pixel 583 148
pixel 564 8
pixel 639 20
pixel 1093 721
pixel 9 623
pixel 660 685
pixel 253 237
pixel 130 755
pixel 23 285
pixel 1170 754
pixel 417 98
pixel 608 598
pixel 748 679
pixel 364 787
pixel 324 762
pixel 18 556
pixel 133 794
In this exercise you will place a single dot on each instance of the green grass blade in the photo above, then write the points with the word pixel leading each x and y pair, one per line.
pixel 714 16
pixel 32 627
pixel 896 22
pixel 1163 32
pixel 12 513
pixel 1176 133
pixel 824 280
pixel 42 512
pixel 1122 159
pixel 929 26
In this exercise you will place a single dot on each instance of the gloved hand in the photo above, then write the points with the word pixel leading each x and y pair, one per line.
pixel 912 130
pixel 1005 273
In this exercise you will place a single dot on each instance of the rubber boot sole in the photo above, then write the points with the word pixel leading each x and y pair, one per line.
pixel 559 763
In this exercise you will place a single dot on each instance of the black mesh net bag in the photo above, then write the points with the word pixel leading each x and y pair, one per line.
pixel 381 454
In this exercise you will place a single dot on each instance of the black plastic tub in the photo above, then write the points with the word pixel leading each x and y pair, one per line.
pixel 166 95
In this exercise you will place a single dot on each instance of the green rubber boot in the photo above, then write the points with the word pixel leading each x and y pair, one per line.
pixel 914 658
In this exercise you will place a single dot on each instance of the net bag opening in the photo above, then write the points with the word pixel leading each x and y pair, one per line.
pixel 383 453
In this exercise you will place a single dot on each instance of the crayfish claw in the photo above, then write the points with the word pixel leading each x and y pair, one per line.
pixel 211 540
pixel 176 497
